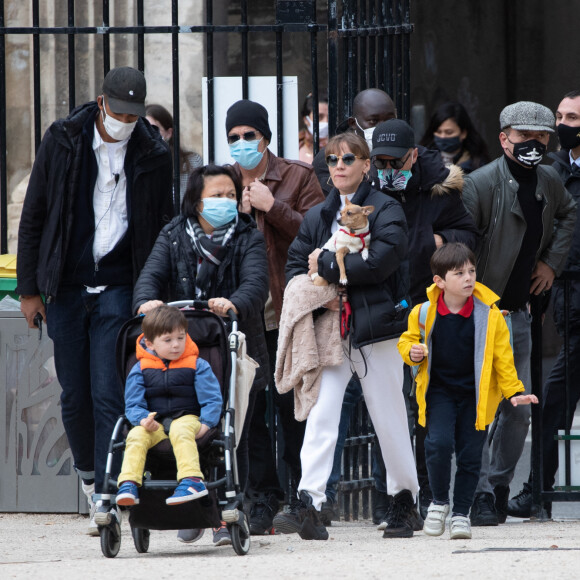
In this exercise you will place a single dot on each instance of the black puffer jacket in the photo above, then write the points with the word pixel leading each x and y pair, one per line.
pixel 376 285
pixel 48 211
pixel 242 278
pixel 432 205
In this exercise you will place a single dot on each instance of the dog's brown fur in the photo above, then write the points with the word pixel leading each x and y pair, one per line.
pixel 355 219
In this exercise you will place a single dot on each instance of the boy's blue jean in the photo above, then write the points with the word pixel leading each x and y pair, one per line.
pixel 84 330
pixel 451 427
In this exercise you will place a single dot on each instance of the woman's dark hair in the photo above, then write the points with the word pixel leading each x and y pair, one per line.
pixel 164 118
pixel 352 141
pixel 307 107
pixel 451 256
pixel 473 143
pixel 196 183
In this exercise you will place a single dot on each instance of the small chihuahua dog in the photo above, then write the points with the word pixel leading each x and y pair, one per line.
pixel 353 236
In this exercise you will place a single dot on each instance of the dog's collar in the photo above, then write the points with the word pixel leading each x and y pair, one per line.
pixel 353 235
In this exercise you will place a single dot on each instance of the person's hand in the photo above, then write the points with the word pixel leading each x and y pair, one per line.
pixel 542 278
pixel 417 352
pixel 333 304
pixel 220 306
pixel 246 203
pixel 30 306
pixel 313 261
pixel 260 196
pixel 524 400
pixel 202 431
pixel 149 423
pixel 149 306
pixel 438 240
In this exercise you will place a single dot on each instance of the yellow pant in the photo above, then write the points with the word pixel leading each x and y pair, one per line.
pixel 182 436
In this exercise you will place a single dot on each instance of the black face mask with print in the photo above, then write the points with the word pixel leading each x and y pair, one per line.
pixel 529 153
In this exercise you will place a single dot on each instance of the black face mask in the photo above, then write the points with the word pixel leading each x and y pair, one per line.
pixel 529 153
pixel 569 136
pixel 447 144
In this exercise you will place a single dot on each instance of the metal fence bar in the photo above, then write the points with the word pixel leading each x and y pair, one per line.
pixel 106 38
pixel 36 75
pixel 3 168
pixel 209 62
pixel 176 132
pixel 71 58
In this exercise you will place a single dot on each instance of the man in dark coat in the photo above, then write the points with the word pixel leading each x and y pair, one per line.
pixel 99 193
pixel 567 163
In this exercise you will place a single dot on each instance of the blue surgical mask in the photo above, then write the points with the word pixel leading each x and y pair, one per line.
pixel 219 211
pixel 246 153
pixel 394 179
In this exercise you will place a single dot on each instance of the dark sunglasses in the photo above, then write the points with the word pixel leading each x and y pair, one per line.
pixel 249 136
pixel 347 159
pixel 394 163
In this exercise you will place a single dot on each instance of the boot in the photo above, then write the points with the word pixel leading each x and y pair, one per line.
pixel 262 513
pixel 400 522
pixel 302 519
pixel 502 494
pixel 381 503
pixel 483 510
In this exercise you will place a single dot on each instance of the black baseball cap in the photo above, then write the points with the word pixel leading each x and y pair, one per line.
pixel 393 138
pixel 126 90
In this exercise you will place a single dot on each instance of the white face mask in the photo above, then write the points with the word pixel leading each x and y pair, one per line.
pixel 322 128
pixel 116 129
pixel 368 134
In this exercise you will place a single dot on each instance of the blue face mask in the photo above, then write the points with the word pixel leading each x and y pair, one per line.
pixel 219 211
pixel 394 179
pixel 246 153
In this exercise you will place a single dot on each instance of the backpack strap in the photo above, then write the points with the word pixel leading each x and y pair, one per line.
pixel 423 319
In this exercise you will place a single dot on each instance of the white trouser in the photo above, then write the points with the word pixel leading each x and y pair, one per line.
pixel 382 388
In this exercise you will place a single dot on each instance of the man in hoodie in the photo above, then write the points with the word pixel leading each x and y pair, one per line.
pixel 567 163
pixel 526 218
pixel 99 193
pixel 430 194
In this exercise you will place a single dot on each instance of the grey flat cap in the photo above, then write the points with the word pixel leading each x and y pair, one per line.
pixel 527 116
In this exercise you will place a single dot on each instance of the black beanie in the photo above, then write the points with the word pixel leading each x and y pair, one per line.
pixel 248 113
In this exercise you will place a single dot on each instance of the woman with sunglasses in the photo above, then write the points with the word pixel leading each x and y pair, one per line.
pixel 377 290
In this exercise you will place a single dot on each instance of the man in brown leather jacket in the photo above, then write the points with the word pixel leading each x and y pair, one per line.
pixel 277 193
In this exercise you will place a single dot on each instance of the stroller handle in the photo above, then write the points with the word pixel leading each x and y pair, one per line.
pixel 200 305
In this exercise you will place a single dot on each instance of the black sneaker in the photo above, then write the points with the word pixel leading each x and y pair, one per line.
pixel 483 511
pixel 329 512
pixel 425 499
pixel 520 506
pixel 400 518
pixel 381 503
pixel 261 515
pixel 416 519
pixel 301 519
pixel 502 494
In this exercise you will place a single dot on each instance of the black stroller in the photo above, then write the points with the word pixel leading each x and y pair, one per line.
pixel 216 449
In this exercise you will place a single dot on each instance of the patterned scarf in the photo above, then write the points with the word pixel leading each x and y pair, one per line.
pixel 210 251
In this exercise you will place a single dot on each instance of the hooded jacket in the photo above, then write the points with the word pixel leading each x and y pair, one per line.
pixel 242 278
pixel 49 206
pixel 432 205
pixel 491 197
pixel 376 285
pixel 495 373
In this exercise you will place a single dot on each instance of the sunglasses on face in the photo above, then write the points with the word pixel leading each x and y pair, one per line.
pixel 249 136
pixel 347 159
pixel 393 163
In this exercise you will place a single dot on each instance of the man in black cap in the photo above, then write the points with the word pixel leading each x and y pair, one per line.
pixel 277 193
pixel 526 220
pixel 430 194
pixel 99 193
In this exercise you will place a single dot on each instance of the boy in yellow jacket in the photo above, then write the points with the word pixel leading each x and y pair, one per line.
pixel 466 368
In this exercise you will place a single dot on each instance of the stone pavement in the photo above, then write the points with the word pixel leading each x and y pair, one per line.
pixel 54 546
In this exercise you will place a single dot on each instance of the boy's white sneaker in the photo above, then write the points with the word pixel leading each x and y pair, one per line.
pixel 435 522
pixel 460 528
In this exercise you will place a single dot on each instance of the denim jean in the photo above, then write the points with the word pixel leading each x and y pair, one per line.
pixel 512 423
pixel 451 428
pixel 352 396
pixel 84 328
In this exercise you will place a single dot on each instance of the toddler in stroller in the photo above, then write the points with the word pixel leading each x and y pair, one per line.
pixel 162 407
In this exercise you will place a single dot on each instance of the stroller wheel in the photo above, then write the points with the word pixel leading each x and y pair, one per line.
pixel 141 539
pixel 240 535
pixel 111 539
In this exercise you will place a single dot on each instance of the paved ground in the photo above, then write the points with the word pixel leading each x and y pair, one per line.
pixel 55 547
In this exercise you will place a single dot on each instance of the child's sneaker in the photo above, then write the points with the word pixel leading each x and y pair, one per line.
pixel 128 494
pixel 435 522
pixel 189 488
pixel 460 528
pixel 221 536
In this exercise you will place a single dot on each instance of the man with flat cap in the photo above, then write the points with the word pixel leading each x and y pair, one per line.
pixel 99 193
pixel 526 219
pixel 277 193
